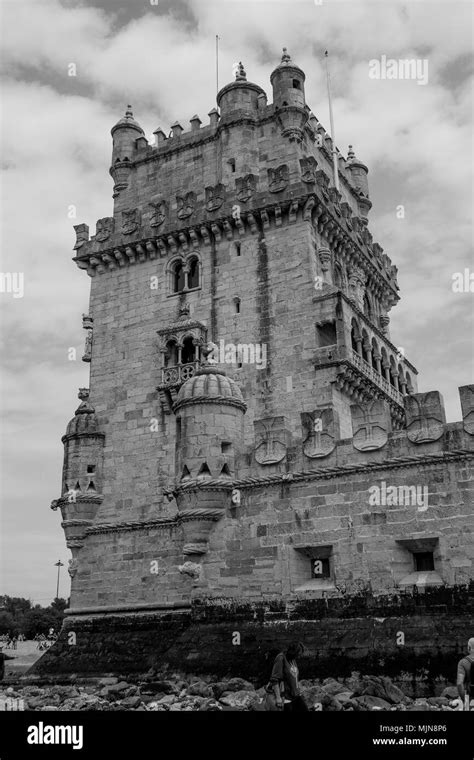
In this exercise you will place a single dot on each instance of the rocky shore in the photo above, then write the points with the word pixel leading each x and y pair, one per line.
pixel 184 693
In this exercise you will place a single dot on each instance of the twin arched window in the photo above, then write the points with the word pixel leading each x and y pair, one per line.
pixel 185 275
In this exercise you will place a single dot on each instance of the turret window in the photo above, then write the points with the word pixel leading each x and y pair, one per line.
pixel 178 277
pixel 296 84
pixel 193 274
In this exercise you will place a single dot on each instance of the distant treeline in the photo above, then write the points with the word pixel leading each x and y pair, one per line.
pixel 18 615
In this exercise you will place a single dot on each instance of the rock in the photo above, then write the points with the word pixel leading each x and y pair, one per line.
pixel 168 699
pixel 200 689
pixel 333 687
pixel 311 694
pixel 240 700
pixel 438 701
pixel 233 684
pixel 450 692
pixel 343 697
pixel 165 687
pixel 392 693
pixel 330 703
pixel 131 701
pixel 368 701
pixel 210 705
pixel 108 681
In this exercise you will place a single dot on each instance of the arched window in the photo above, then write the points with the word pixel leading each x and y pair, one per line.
pixel 171 356
pixel 375 353
pixel 338 278
pixel 368 308
pixel 187 352
pixel 365 345
pixel 355 337
pixel 178 277
pixel 193 273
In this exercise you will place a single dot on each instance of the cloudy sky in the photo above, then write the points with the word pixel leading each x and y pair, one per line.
pixel 56 149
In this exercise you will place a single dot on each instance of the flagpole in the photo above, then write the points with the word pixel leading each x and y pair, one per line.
pixel 217 63
pixel 335 161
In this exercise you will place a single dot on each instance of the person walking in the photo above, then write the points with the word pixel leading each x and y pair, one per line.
pixel 283 691
pixel 465 676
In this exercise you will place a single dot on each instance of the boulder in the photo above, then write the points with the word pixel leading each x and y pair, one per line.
pixel 131 702
pixel 165 687
pixel 330 703
pixel 450 692
pixel 239 700
pixel 233 684
pixel 108 681
pixel 312 694
pixel 200 689
pixel 438 701
pixel 369 701
pixel 333 687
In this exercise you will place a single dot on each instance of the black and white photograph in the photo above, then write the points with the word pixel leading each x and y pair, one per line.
pixel 237 380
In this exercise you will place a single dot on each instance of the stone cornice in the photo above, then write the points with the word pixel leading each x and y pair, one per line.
pixel 314 208
pixel 156 523
pixel 121 609
pixel 348 469
pixel 222 400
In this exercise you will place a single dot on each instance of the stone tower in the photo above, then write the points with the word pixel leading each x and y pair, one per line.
pixel 252 453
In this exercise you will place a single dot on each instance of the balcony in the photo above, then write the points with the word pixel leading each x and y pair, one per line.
pixel 333 355
pixel 178 374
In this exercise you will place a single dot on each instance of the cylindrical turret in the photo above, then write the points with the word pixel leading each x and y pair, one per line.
pixel 288 83
pixel 124 133
pixel 359 172
pixel 209 416
pixel 239 95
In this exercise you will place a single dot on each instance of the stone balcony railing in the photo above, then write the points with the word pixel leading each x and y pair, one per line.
pixel 178 373
pixel 334 354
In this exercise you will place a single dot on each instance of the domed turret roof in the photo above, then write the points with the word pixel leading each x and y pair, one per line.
pixel 127 121
pixel 210 383
pixel 85 420
pixel 286 63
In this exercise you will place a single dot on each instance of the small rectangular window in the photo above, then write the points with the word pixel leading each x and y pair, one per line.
pixel 320 567
pixel 90 469
pixel 296 84
pixel 424 561
pixel 232 164
pixel 327 334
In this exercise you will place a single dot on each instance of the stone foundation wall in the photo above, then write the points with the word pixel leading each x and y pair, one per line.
pixel 221 637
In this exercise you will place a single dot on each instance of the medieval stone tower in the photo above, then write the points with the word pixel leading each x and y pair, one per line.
pixel 252 454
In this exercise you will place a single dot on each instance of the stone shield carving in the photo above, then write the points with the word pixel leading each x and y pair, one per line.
pixel 369 425
pixel 271 440
pixel 130 221
pixel 104 228
pixel 308 169
pixel 425 416
pixel 319 432
pixel 245 187
pixel 214 197
pixel 466 393
pixel 186 205
pixel 158 214
pixel 278 178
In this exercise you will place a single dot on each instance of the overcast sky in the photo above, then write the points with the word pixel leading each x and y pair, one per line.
pixel 56 149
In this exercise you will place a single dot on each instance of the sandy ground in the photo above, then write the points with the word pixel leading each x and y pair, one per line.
pixel 25 655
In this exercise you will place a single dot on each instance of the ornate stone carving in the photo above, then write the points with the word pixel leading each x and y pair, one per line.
pixel 82 235
pixel 370 425
pixel 73 564
pixel 271 440
pixel 308 169
pixel 425 416
pixel 278 178
pixel 186 204
pixel 466 393
pixel 319 432
pixel 193 569
pixel 245 187
pixel 88 324
pixel 357 279
pixel 214 197
pixel 322 180
pixel 130 221
pixel 104 228
pixel 158 216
